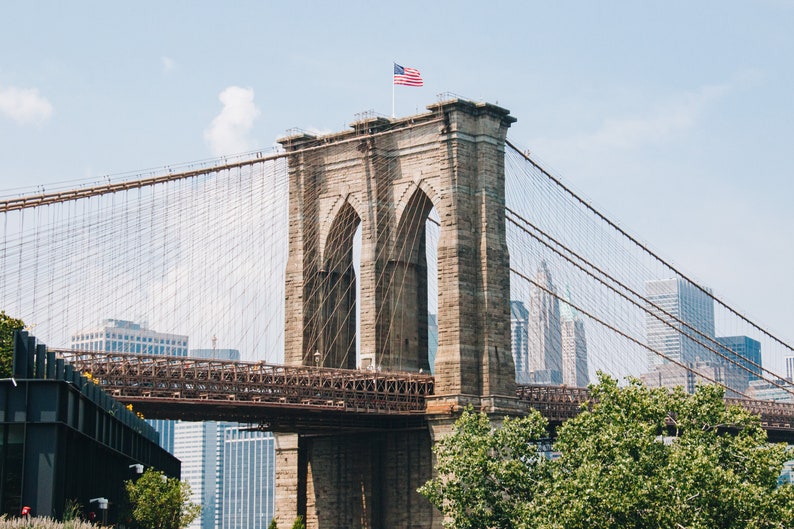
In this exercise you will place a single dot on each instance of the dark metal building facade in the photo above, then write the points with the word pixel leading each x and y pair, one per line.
pixel 63 439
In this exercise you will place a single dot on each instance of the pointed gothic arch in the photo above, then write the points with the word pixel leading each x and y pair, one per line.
pixel 336 326
pixel 407 343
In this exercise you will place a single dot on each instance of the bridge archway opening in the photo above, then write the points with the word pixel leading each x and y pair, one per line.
pixel 334 330
pixel 412 290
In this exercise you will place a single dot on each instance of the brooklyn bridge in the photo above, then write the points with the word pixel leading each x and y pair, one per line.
pixel 379 280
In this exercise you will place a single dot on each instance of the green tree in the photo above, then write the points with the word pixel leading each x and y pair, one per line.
pixel 634 458
pixel 655 458
pixel 483 473
pixel 158 502
pixel 298 523
pixel 7 327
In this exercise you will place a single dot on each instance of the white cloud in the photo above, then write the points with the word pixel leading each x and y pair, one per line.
pixel 24 105
pixel 229 131
pixel 168 64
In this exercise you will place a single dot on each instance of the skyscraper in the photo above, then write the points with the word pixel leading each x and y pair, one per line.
pixel 545 347
pixel 790 368
pixel 574 347
pixel 744 351
pixel 129 337
pixel 196 446
pixel 249 479
pixel 694 373
pixel 231 472
pixel 686 342
pixel 519 329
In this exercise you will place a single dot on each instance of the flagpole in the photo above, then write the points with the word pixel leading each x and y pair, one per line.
pixel 392 92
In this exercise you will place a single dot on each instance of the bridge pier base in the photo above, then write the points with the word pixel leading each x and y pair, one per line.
pixel 355 480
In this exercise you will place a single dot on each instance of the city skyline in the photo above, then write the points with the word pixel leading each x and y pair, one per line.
pixel 548 339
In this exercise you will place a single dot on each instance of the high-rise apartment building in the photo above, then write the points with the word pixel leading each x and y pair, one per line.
pixel 519 330
pixel 790 368
pixel 681 323
pixel 129 337
pixel 574 347
pixel 545 338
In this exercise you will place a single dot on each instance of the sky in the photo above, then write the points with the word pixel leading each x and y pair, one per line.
pixel 674 118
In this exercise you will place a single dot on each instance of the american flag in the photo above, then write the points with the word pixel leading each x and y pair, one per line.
pixel 407 76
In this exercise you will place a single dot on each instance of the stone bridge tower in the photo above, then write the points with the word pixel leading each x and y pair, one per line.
pixel 385 176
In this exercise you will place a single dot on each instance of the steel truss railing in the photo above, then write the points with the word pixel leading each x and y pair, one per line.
pixel 555 403
pixel 558 403
pixel 774 415
pixel 169 378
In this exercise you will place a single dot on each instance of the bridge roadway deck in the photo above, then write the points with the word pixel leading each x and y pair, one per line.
pixel 302 398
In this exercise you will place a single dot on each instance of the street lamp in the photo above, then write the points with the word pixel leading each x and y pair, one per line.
pixel 138 468
pixel 316 358
pixel 102 503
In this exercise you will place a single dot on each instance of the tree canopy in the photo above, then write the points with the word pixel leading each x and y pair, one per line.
pixel 158 502
pixel 7 327
pixel 635 457
pixel 482 472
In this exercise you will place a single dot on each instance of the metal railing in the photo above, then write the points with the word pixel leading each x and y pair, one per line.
pixel 169 377
pixel 157 378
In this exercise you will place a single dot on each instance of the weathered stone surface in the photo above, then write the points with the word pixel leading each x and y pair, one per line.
pixel 387 176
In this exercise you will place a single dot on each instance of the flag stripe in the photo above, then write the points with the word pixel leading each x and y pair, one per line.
pixel 406 76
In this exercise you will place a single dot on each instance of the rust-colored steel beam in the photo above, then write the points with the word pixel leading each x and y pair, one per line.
pixel 558 403
pixel 139 378
pixel 290 398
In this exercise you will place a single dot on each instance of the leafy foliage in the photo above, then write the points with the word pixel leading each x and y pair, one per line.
pixel 636 458
pixel 655 458
pixel 158 502
pixel 298 523
pixel 72 510
pixel 7 327
pixel 483 474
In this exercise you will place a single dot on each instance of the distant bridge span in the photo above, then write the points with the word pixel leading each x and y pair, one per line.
pixel 290 398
